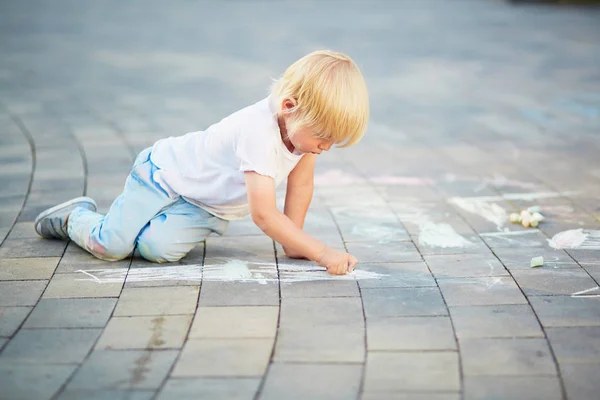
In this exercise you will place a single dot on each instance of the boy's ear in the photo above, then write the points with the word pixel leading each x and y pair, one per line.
pixel 288 104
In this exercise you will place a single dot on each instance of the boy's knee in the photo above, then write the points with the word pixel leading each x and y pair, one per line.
pixel 110 252
pixel 159 251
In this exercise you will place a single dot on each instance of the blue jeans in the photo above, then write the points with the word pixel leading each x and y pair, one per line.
pixel 163 225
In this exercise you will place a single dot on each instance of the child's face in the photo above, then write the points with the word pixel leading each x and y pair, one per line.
pixel 304 141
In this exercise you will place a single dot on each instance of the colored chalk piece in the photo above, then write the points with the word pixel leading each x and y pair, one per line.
pixel 536 262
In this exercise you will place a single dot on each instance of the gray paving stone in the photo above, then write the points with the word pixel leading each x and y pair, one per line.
pixel 71 313
pixel 252 248
pixel 410 396
pixel 502 357
pixel 565 311
pixel 584 256
pixel 477 246
pixel 11 318
pixel 481 291
pixel 403 302
pixel 157 301
pixel 403 372
pixel 312 381
pixel 223 358
pixel 387 253
pixel 593 270
pixel 123 369
pixel 529 238
pixel 465 265
pixel 520 258
pixel 106 395
pixel 209 389
pixel 27 268
pixel 536 282
pixel 324 288
pixel 239 294
pixel 235 322
pixel 409 274
pixel 581 380
pixel 32 248
pixel 69 286
pixel 21 293
pixel 495 321
pixel 408 334
pixel 154 332
pixel 322 343
pixel 512 387
pixel 50 346
pixel 332 310
pixel 23 230
pixel 31 382
pixel 575 344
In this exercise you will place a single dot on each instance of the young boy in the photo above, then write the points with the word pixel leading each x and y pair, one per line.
pixel 183 188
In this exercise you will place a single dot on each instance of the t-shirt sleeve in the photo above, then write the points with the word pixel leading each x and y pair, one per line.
pixel 255 153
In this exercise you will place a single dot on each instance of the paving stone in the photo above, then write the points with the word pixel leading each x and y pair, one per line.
pixel 23 230
pixel 157 301
pixel 106 395
pixel 495 321
pixel 323 343
pixel 386 253
pixel 403 372
pixel 581 380
pixel 584 256
pixel 27 268
pixel 71 313
pixel 235 322
pixel 512 387
pixel 209 389
pixel 481 291
pixel 520 258
pixel 403 302
pixel 21 293
pixel 477 246
pixel 465 265
pixel 410 396
pixel 50 346
pixel 65 286
pixel 32 248
pixel 323 288
pixel 289 381
pixel 123 369
pixel 559 311
pixel 253 248
pixel 333 310
pixel 575 344
pixel 239 294
pixel 11 318
pixel 502 357
pixel 536 282
pixel 409 274
pixel 224 358
pixel 31 382
pixel 593 270
pixel 526 238
pixel 154 332
pixel 408 334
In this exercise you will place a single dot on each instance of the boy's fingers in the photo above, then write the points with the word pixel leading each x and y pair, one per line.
pixel 353 262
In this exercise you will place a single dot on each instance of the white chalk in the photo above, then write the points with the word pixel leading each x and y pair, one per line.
pixel 536 262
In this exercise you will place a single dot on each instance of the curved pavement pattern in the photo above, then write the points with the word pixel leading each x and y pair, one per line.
pixel 478 109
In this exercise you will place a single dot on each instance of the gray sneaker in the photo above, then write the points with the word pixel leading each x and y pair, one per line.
pixel 52 223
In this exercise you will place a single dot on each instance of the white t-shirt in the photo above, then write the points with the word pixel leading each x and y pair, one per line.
pixel 207 167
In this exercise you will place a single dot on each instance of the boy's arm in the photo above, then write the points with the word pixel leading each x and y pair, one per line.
pixel 263 208
pixel 299 192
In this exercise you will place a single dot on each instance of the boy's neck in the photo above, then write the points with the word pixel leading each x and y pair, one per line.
pixel 284 135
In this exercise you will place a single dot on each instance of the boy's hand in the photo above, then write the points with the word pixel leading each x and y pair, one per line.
pixel 337 262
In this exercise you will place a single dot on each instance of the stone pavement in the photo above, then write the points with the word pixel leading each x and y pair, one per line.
pixel 479 108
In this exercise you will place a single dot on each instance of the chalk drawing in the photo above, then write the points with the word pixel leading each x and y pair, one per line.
pixel 232 271
pixel 440 235
pixel 337 177
pixel 497 180
pixel 431 233
pixel 487 210
pixel 586 239
pixel 510 237
pixel 402 180
pixel 584 293
pixel 379 233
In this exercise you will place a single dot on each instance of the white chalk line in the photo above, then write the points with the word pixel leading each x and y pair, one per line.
pixel 233 271
pixel 581 293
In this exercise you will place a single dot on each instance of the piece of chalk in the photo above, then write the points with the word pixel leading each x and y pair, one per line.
pixel 534 223
pixel 533 209
pixel 515 218
pixel 525 220
pixel 536 262
pixel 537 217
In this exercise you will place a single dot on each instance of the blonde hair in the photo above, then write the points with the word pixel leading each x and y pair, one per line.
pixel 329 95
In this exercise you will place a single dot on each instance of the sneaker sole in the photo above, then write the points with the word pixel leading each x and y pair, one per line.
pixel 78 200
